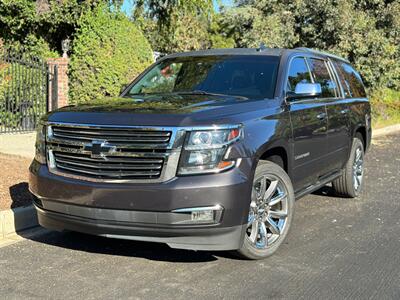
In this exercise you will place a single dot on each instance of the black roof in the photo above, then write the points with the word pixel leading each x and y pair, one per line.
pixel 252 51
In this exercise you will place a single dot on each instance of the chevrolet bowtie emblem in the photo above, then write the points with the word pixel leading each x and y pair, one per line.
pixel 99 149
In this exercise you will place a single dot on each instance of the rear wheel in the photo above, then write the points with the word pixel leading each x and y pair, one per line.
pixel 270 213
pixel 350 184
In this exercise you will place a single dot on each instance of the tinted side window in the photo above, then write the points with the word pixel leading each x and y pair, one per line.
pixel 320 72
pixel 298 72
pixel 350 80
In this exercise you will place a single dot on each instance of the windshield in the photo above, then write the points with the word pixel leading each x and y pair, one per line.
pixel 245 76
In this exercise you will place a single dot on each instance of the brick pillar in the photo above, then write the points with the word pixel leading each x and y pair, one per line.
pixel 62 80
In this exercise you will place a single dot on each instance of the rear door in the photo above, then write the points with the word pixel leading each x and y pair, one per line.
pixel 309 128
pixel 338 134
pixel 352 91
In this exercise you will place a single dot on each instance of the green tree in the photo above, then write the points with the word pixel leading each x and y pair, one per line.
pixel 39 26
pixel 357 30
pixel 254 22
pixel 190 32
pixel 367 32
pixel 165 12
pixel 176 25
pixel 218 36
pixel 371 51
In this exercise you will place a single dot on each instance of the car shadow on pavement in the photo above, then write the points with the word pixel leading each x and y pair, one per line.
pixel 119 247
pixel 326 191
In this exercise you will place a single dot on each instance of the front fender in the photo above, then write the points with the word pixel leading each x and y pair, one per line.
pixel 263 134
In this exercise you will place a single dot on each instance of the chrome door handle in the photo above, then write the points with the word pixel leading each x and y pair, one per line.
pixel 321 116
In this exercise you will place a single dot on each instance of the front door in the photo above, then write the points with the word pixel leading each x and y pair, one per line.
pixel 309 141
pixel 309 129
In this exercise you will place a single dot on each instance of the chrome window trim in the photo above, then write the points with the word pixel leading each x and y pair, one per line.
pixel 334 76
pixel 327 65
pixel 306 57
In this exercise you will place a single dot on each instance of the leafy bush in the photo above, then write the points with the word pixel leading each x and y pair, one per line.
pixel 4 79
pixel 39 26
pixel 385 107
pixel 108 52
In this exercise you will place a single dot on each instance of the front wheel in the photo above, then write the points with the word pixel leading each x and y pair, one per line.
pixel 270 213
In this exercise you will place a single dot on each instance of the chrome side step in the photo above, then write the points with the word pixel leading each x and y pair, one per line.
pixel 320 183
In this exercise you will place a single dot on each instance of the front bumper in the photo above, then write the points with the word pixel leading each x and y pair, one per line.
pixel 145 211
pixel 225 238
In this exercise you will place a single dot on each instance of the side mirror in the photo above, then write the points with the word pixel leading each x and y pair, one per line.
pixel 305 90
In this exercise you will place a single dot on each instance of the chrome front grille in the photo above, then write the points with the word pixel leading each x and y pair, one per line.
pixel 105 153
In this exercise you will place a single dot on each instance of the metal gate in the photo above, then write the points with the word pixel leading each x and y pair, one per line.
pixel 24 91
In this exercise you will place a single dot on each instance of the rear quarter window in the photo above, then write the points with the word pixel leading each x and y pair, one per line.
pixel 350 80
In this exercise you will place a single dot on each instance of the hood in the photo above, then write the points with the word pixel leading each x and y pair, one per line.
pixel 162 110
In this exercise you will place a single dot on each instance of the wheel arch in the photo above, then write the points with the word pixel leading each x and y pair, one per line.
pixel 278 149
pixel 363 131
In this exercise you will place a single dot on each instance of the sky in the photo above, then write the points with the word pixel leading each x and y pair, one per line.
pixel 127 6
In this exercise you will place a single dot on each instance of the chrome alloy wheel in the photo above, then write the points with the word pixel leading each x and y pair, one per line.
pixel 268 211
pixel 358 168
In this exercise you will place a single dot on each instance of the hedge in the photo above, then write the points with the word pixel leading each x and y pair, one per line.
pixel 108 52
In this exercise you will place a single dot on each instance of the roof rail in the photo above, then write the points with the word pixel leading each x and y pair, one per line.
pixel 262 47
pixel 322 53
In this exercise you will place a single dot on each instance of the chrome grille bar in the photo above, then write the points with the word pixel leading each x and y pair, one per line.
pixel 111 132
pixel 125 145
pixel 110 174
pixel 101 165
pixel 119 153
pixel 113 159
pixel 138 139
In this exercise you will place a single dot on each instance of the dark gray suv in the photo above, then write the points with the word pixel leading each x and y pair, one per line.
pixel 205 150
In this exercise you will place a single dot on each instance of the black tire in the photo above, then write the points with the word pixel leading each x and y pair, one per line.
pixel 346 185
pixel 268 169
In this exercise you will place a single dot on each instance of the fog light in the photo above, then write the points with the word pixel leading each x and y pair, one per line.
pixel 201 215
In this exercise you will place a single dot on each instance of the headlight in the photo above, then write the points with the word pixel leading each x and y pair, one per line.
pixel 204 151
pixel 40 145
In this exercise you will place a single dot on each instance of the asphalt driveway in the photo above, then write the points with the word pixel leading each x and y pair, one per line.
pixel 338 248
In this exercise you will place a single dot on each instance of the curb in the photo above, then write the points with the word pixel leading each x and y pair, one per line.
pixel 17 219
pixel 385 130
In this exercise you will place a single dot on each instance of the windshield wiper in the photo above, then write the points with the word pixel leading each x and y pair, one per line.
pixel 201 92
